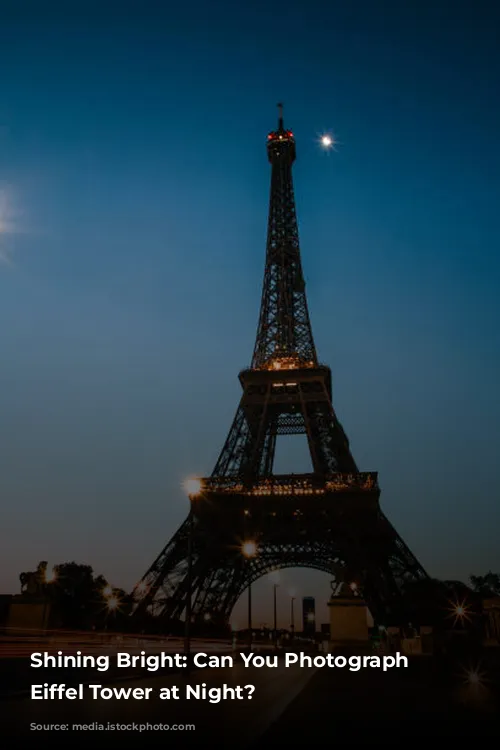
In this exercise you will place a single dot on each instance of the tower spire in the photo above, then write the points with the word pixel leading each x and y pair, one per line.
pixel 280 116
pixel 284 330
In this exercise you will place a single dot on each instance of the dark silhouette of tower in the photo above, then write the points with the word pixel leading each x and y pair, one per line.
pixel 245 520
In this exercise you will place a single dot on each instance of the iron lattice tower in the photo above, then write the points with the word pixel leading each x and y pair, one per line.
pixel 330 519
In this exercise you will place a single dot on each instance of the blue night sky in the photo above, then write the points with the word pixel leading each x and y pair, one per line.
pixel 133 206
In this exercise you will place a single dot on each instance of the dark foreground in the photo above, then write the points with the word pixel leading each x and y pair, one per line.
pixel 426 701
pixel 291 706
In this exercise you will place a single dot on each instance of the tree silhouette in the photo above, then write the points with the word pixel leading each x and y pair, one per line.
pixel 80 600
pixel 487 585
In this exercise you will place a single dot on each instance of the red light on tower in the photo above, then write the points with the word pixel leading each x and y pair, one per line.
pixel 270 137
pixel 290 134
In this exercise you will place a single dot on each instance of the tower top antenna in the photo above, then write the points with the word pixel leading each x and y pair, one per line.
pixel 280 113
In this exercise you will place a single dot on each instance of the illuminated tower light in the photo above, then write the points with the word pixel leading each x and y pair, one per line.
pixel 51 576
pixel 113 603
pixel 192 486
pixel 249 549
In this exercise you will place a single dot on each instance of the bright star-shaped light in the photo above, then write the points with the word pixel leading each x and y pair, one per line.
pixel 192 486
pixel 474 677
pixel 327 141
pixel 249 549
pixel 51 576
pixel 113 603
pixel 460 611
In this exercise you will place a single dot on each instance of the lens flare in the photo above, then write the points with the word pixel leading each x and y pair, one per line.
pixel 327 141
pixel 192 486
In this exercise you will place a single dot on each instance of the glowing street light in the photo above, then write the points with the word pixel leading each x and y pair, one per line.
pixel 275 587
pixel 460 611
pixel 51 576
pixel 113 603
pixel 292 614
pixel 473 677
pixel 249 549
pixel 192 486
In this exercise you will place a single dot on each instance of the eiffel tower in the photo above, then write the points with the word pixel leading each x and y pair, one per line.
pixel 245 521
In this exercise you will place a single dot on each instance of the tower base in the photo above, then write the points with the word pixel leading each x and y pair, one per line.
pixel 348 622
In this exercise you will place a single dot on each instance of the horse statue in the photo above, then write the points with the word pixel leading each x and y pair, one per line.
pixel 344 584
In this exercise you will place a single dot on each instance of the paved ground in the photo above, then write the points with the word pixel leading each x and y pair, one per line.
pixel 16 674
pixel 415 705
pixel 231 722
pixel 293 707
pixel 21 648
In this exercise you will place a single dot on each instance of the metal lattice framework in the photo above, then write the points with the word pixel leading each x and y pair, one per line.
pixel 329 520
pixel 277 402
pixel 284 327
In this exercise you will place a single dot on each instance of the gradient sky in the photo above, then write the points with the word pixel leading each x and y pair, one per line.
pixel 133 205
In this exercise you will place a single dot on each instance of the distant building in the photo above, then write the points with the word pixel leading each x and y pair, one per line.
pixel 309 616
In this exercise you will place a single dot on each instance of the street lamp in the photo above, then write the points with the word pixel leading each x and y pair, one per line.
pixel 275 586
pixel 48 578
pixel 292 617
pixel 249 550
pixel 192 487
pixel 51 576
pixel 460 611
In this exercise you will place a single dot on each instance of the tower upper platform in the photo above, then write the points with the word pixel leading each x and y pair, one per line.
pixel 280 142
